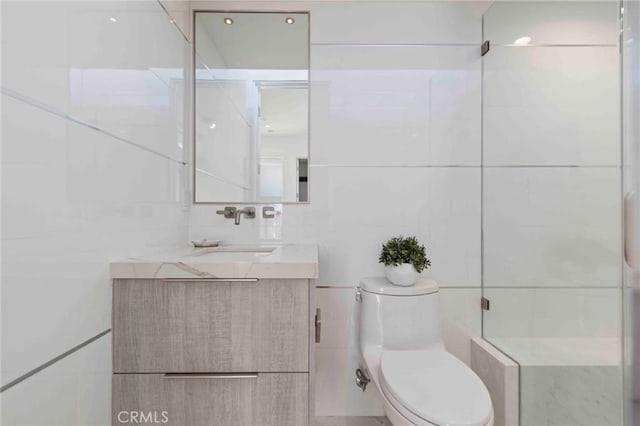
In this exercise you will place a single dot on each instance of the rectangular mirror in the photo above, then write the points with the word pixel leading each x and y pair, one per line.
pixel 251 107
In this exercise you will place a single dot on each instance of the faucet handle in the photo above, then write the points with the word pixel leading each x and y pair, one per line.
pixel 228 212
pixel 269 212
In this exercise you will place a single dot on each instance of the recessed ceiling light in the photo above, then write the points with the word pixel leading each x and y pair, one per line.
pixel 112 19
pixel 213 126
pixel 289 20
pixel 522 41
pixel 268 126
pixel 228 21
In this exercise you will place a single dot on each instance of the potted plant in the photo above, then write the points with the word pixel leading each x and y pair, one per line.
pixel 404 259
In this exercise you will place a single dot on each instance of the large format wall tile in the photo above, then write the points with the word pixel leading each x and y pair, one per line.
pixel 552 312
pixel 386 22
pixel 134 175
pixel 124 86
pixel 76 195
pixel 383 105
pixel 552 227
pixel 36 66
pixel 551 106
pixel 562 22
pixel 367 206
pixel 74 391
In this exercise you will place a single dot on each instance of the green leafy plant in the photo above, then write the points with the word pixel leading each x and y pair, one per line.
pixel 399 250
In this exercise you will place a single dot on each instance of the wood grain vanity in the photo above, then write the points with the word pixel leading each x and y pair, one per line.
pixel 211 350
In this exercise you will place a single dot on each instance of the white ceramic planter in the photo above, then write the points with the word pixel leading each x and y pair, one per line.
pixel 403 275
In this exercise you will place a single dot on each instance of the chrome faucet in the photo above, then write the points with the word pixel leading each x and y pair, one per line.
pixel 249 212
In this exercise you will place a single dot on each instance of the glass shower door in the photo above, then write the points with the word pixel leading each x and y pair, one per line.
pixel 630 50
pixel 551 206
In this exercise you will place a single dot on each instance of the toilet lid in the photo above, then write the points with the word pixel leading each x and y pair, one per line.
pixel 436 386
pixel 380 285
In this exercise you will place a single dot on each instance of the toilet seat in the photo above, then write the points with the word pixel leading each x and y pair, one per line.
pixel 433 387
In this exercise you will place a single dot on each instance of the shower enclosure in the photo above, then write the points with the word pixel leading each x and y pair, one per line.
pixel 554 177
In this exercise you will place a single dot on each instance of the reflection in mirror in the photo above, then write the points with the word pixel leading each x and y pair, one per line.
pixel 251 107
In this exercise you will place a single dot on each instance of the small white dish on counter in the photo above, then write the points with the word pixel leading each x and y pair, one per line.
pixel 206 243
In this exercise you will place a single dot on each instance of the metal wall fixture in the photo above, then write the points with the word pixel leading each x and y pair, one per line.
pixel 269 212
pixel 358 294
pixel 362 380
pixel 248 212
pixel 234 213
pixel 230 212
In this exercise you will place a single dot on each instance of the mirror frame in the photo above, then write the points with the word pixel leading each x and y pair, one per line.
pixel 193 106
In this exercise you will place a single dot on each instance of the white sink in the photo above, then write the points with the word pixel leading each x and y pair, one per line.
pixel 221 250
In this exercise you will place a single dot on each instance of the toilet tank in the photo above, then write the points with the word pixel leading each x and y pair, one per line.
pixel 394 317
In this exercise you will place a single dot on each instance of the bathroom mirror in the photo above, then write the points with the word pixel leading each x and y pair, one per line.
pixel 251 107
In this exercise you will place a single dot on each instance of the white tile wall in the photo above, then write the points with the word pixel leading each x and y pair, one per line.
pixel 562 22
pixel 386 22
pixel 386 105
pixel 552 312
pixel 356 209
pixel 551 106
pixel 74 391
pixel 74 197
pixel 552 227
pixel 390 127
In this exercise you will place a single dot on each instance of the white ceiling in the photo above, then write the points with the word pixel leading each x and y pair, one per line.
pixel 259 40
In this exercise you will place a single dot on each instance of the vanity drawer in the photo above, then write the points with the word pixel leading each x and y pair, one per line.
pixel 266 399
pixel 210 326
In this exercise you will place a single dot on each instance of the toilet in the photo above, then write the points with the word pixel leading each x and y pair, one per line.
pixel 402 351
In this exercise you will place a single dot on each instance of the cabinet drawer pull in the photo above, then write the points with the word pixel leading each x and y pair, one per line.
pixel 213 280
pixel 211 376
pixel 318 325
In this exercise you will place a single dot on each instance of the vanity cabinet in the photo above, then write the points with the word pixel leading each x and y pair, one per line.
pixel 212 351
pixel 263 399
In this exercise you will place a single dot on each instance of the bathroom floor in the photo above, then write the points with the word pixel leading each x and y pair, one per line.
pixel 352 421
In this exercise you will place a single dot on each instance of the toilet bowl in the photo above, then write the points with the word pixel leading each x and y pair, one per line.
pixel 402 350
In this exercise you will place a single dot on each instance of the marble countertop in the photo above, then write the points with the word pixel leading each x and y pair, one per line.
pixel 235 261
